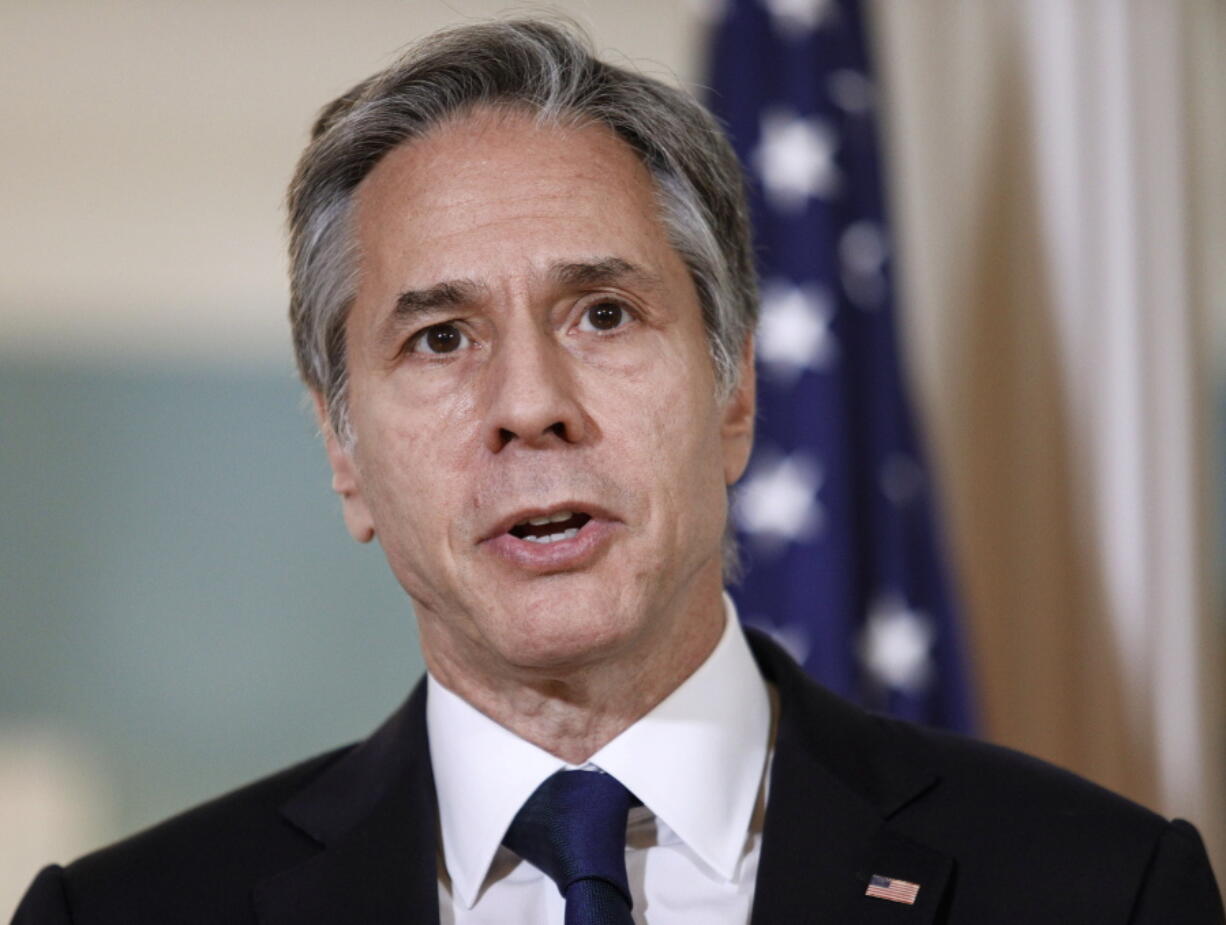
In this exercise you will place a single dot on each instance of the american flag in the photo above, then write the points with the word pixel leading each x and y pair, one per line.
pixel 899 891
pixel 836 513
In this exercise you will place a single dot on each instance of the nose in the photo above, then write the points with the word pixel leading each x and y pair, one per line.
pixel 534 400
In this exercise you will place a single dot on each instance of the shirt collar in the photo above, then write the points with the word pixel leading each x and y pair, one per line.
pixel 696 760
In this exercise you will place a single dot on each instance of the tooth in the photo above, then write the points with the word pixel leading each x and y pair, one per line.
pixel 561 516
pixel 552 537
pixel 539 521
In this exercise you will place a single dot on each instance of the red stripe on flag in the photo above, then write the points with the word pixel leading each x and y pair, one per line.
pixel 898 891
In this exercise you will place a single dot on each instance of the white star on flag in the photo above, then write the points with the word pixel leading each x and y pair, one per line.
pixel 795 159
pixel 778 504
pixel 851 91
pixel 863 250
pixel 794 331
pixel 896 645
pixel 795 18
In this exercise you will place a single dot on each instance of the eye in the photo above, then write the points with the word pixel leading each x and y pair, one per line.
pixel 604 316
pixel 438 339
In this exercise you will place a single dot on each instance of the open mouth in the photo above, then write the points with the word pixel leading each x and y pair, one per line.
pixel 550 528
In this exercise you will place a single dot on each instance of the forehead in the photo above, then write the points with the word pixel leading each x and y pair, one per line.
pixel 498 192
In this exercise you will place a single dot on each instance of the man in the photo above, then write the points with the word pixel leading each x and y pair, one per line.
pixel 523 300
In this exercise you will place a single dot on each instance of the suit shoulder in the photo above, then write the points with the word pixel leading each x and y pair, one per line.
pixel 1009 817
pixel 898 765
pixel 986 774
pixel 203 858
pixel 916 770
pixel 236 812
pixel 1013 821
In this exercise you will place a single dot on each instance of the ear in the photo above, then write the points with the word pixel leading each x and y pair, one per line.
pixel 738 418
pixel 345 479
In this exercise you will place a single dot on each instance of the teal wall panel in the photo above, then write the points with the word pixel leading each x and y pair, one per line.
pixel 176 585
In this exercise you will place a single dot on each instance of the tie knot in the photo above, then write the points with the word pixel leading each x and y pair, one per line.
pixel 573 828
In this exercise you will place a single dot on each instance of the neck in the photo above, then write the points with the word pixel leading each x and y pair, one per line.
pixel 573 711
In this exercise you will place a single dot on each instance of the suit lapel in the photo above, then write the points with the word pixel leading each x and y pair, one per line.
pixel 829 826
pixel 373 814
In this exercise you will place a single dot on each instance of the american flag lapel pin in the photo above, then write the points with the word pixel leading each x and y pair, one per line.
pixel 896 891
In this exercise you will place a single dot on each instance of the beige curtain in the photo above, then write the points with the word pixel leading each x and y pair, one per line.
pixel 1058 187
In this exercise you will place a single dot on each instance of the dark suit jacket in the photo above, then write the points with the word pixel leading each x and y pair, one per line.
pixel 991 836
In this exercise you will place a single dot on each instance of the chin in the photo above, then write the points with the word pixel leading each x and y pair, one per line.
pixel 561 631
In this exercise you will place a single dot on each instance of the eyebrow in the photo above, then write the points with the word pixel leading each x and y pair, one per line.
pixel 602 273
pixel 413 303
pixel 456 292
pixel 449 294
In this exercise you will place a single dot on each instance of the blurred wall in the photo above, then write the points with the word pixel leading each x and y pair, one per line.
pixel 147 146
pixel 181 612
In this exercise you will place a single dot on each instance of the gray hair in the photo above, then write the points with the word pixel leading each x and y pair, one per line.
pixel 549 70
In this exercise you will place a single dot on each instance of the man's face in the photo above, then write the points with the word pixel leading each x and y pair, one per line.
pixel 538 441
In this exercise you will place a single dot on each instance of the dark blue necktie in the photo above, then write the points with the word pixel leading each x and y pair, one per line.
pixel 573 828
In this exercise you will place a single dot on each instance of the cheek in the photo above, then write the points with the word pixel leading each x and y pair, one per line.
pixel 428 421
pixel 670 430
pixel 412 456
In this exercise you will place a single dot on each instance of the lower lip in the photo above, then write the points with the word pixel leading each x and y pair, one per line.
pixel 559 556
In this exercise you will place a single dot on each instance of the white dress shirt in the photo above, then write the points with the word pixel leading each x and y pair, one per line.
pixel 697 761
